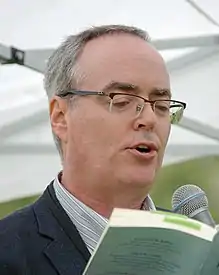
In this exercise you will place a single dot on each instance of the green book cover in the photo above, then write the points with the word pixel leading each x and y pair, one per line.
pixel 153 243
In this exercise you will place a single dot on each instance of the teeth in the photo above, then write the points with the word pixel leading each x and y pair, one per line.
pixel 142 147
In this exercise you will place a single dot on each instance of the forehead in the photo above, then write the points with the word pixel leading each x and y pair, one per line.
pixel 122 58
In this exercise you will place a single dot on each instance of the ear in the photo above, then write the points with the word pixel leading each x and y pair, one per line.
pixel 58 116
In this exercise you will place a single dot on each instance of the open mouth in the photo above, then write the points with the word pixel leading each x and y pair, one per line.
pixel 144 152
pixel 143 149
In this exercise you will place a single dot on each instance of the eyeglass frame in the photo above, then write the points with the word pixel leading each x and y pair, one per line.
pixel 112 94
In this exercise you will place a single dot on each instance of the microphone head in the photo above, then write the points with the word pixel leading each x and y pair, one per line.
pixel 189 200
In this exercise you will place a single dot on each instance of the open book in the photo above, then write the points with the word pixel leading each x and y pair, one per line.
pixel 155 243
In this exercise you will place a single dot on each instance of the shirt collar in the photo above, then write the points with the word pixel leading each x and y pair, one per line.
pixel 88 222
pixel 147 204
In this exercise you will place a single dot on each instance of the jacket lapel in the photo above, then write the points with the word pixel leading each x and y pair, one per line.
pixel 65 250
pixel 65 258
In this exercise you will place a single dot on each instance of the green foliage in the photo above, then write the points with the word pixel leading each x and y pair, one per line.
pixel 10 206
pixel 202 172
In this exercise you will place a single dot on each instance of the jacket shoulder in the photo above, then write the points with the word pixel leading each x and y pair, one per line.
pixel 14 236
pixel 18 221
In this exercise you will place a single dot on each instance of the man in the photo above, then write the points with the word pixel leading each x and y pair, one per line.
pixel 110 109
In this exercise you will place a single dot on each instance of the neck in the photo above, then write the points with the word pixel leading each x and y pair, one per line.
pixel 101 200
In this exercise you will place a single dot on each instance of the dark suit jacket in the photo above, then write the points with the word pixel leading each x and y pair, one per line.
pixel 41 240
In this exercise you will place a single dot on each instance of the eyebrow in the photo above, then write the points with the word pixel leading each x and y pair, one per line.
pixel 125 86
pixel 161 92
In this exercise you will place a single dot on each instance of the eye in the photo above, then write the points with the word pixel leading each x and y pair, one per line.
pixel 162 107
pixel 123 101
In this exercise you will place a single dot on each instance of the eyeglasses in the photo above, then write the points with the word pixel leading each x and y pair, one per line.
pixel 133 105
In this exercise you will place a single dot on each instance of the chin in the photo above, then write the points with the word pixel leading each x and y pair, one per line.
pixel 140 178
pixel 136 173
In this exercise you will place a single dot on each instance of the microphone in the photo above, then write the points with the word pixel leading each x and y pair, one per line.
pixel 191 201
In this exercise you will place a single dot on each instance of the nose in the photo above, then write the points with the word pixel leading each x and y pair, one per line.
pixel 146 118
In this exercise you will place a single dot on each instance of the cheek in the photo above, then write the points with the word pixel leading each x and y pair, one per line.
pixel 90 134
pixel 163 133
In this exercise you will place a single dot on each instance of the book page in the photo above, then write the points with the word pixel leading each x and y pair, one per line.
pixel 136 218
pixel 151 250
pixel 211 265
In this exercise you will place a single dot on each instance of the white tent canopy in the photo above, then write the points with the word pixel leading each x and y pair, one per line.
pixel 185 32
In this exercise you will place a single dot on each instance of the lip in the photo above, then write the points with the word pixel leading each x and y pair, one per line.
pixel 152 145
pixel 146 156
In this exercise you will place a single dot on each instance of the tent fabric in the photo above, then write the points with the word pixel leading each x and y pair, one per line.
pixel 28 158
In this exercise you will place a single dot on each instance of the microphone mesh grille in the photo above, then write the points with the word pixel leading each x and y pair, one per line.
pixel 191 205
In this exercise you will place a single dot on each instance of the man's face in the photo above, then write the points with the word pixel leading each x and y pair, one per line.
pixel 101 143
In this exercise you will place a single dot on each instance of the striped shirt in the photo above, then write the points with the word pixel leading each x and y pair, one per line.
pixel 89 223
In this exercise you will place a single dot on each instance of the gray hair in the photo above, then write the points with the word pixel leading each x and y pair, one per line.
pixel 62 72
